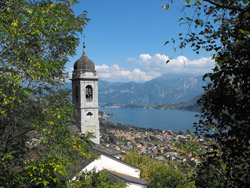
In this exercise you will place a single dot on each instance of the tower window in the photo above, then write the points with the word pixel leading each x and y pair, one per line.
pixel 89 114
pixel 89 92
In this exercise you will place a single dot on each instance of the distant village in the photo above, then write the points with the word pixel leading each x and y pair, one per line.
pixel 155 143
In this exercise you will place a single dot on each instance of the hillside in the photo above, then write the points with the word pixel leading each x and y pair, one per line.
pixel 169 88
pixel 190 105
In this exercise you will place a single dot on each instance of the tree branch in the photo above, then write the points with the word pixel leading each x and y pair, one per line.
pixel 220 5
pixel 247 9
pixel 7 48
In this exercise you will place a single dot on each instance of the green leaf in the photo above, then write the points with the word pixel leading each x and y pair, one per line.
pixel 45 183
pixel 166 7
pixel 166 43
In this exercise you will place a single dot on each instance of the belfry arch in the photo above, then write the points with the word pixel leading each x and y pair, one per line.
pixel 89 92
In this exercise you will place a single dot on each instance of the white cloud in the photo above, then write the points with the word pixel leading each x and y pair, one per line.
pixel 145 57
pixel 101 67
pixel 69 72
pixel 181 64
pixel 147 67
pixel 131 59
pixel 117 73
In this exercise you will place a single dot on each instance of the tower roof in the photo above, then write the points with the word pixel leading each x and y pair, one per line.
pixel 84 63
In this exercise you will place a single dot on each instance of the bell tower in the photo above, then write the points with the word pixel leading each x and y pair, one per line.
pixel 85 96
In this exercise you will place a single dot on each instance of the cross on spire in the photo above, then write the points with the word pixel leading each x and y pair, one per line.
pixel 83 41
pixel 84 51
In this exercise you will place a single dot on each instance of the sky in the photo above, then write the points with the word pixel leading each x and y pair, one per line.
pixel 125 39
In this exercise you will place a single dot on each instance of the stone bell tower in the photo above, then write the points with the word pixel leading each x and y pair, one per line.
pixel 85 96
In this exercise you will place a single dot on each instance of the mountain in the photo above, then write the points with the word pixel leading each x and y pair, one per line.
pixel 169 88
pixel 190 105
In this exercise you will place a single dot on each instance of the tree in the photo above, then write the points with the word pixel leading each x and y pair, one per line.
pixel 190 147
pixel 93 179
pixel 163 177
pixel 159 174
pixel 37 146
pixel 223 27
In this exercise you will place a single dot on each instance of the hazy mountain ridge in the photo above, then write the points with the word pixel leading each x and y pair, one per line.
pixel 190 105
pixel 166 89
pixel 169 88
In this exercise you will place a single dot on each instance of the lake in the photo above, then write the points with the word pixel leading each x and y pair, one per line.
pixel 175 120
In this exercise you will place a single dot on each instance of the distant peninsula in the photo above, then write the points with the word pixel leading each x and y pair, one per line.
pixel 190 105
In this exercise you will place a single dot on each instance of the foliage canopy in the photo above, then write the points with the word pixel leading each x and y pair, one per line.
pixel 159 174
pixel 37 146
pixel 223 27
pixel 93 179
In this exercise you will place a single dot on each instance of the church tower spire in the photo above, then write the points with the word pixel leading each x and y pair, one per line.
pixel 84 46
pixel 85 95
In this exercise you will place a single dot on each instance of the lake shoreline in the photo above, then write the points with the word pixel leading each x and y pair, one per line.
pixel 174 120
pixel 193 107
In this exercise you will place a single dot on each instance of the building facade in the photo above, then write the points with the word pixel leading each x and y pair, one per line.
pixel 85 96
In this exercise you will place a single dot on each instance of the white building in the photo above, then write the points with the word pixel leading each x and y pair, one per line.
pixel 109 161
pixel 85 98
